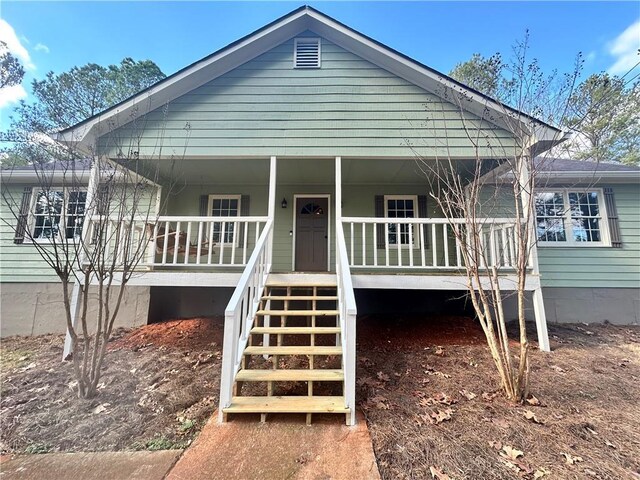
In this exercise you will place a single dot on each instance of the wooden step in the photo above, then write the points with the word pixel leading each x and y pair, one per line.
pixel 295 330
pixel 298 313
pixel 293 350
pixel 293 404
pixel 282 375
pixel 300 297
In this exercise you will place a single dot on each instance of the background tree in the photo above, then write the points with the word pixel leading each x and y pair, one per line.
pixel 605 114
pixel 62 100
pixel 11 71
pixel 482 74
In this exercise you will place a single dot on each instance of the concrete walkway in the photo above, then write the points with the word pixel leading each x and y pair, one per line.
pixel 90 466
pixel 243 449
pixel 283 448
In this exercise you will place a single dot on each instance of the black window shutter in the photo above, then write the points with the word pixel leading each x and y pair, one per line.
pixel 245 203
pixel 204 205
pixel 102 200
pixel 379 213
pixel 423 213
pixel 245 208
pixel 23 216
pixel 612 218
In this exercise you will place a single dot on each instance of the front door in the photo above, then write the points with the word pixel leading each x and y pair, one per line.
pixel 312 230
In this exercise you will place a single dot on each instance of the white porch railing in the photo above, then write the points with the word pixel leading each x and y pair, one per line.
pixel 241 311
pixel 347 315
pixel 184 241
pixel 427 243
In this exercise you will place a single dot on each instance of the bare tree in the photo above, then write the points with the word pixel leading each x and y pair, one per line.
pixel 490 203
pixel 91 217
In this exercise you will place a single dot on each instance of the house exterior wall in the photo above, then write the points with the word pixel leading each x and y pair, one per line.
pixel 36 309
pixel 348 107
pixel 599 267
pixel 21 262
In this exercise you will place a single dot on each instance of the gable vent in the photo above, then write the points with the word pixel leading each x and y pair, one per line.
pixel 306 53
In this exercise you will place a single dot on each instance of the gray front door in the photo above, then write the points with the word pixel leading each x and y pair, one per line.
pixel 312 229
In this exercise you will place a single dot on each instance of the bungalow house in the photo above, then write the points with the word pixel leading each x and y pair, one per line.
pixel 296 150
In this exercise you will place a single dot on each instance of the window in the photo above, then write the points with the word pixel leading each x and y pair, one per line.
pixel 224 206
pixel 306 53
pixel 400 206
pixel 58 212
pixel 571 217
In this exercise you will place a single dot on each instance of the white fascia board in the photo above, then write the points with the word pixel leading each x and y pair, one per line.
pixel 24 176
pixel 585 177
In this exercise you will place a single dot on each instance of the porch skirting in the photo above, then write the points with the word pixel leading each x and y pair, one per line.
pixel 37 308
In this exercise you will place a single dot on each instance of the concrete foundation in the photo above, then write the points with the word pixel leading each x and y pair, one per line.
pixel 620 306
pixel 37 308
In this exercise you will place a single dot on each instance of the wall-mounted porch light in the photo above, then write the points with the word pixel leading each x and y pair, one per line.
pixel 284 203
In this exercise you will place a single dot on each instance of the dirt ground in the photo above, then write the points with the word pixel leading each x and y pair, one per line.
pixel 426 386
pixel 159 386
pixel 584 424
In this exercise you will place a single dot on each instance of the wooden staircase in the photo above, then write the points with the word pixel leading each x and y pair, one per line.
pixel 293 359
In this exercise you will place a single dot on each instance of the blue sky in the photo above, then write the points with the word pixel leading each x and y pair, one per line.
pixel 58 35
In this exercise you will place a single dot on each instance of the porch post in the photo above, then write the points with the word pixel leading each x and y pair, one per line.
pixel 526 187
pixel 338 190
pixel 271 213
pixel 92 188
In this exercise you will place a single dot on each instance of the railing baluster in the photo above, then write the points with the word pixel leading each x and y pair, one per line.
pixel 445 240
pixel 434 245
pixel 187 247
pixel 386 242
pixel 222 242
pixel 245 234
pixel 458 252
pixel 399 244
pixel 233 244
pixel 364 245
pixel 165 247
pixel 411 244
pixel 374 246
pixel 492 244
pixel 422 246
pixel 505 253
pixel 199 252
pixel 211 243
pixel 176 243
pixel 353 259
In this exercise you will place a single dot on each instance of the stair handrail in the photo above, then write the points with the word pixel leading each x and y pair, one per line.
pixel 347 315
pixel 241 310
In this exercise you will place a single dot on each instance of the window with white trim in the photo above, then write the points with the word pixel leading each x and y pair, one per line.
pixel 571 217
pixel 224 206
pixel 306 52
pixel 401 206
pixel 57 212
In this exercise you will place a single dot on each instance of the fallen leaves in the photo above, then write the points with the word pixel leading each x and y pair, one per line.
pixel 533 401
pixel 438 398
pixel 529 415
pixel 570 459
pixel 441 415
pixel 433 371
pixel 380 402
pixel 489 396
pixel 100 408
pixel 467 394
pixel 383 376
pixel 437 474
pixel 510 453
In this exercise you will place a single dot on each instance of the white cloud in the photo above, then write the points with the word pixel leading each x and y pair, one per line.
pixel 624 48
pixel 8 35
pixel 9 95
pixel 41 47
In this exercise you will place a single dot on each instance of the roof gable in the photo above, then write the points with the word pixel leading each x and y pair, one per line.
pixel 301 20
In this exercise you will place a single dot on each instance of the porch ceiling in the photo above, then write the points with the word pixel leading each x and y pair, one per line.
pixel 209 171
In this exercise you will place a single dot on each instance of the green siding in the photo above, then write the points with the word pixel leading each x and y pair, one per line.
pixel 348 107
pixel 599 267
pixel 23 262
